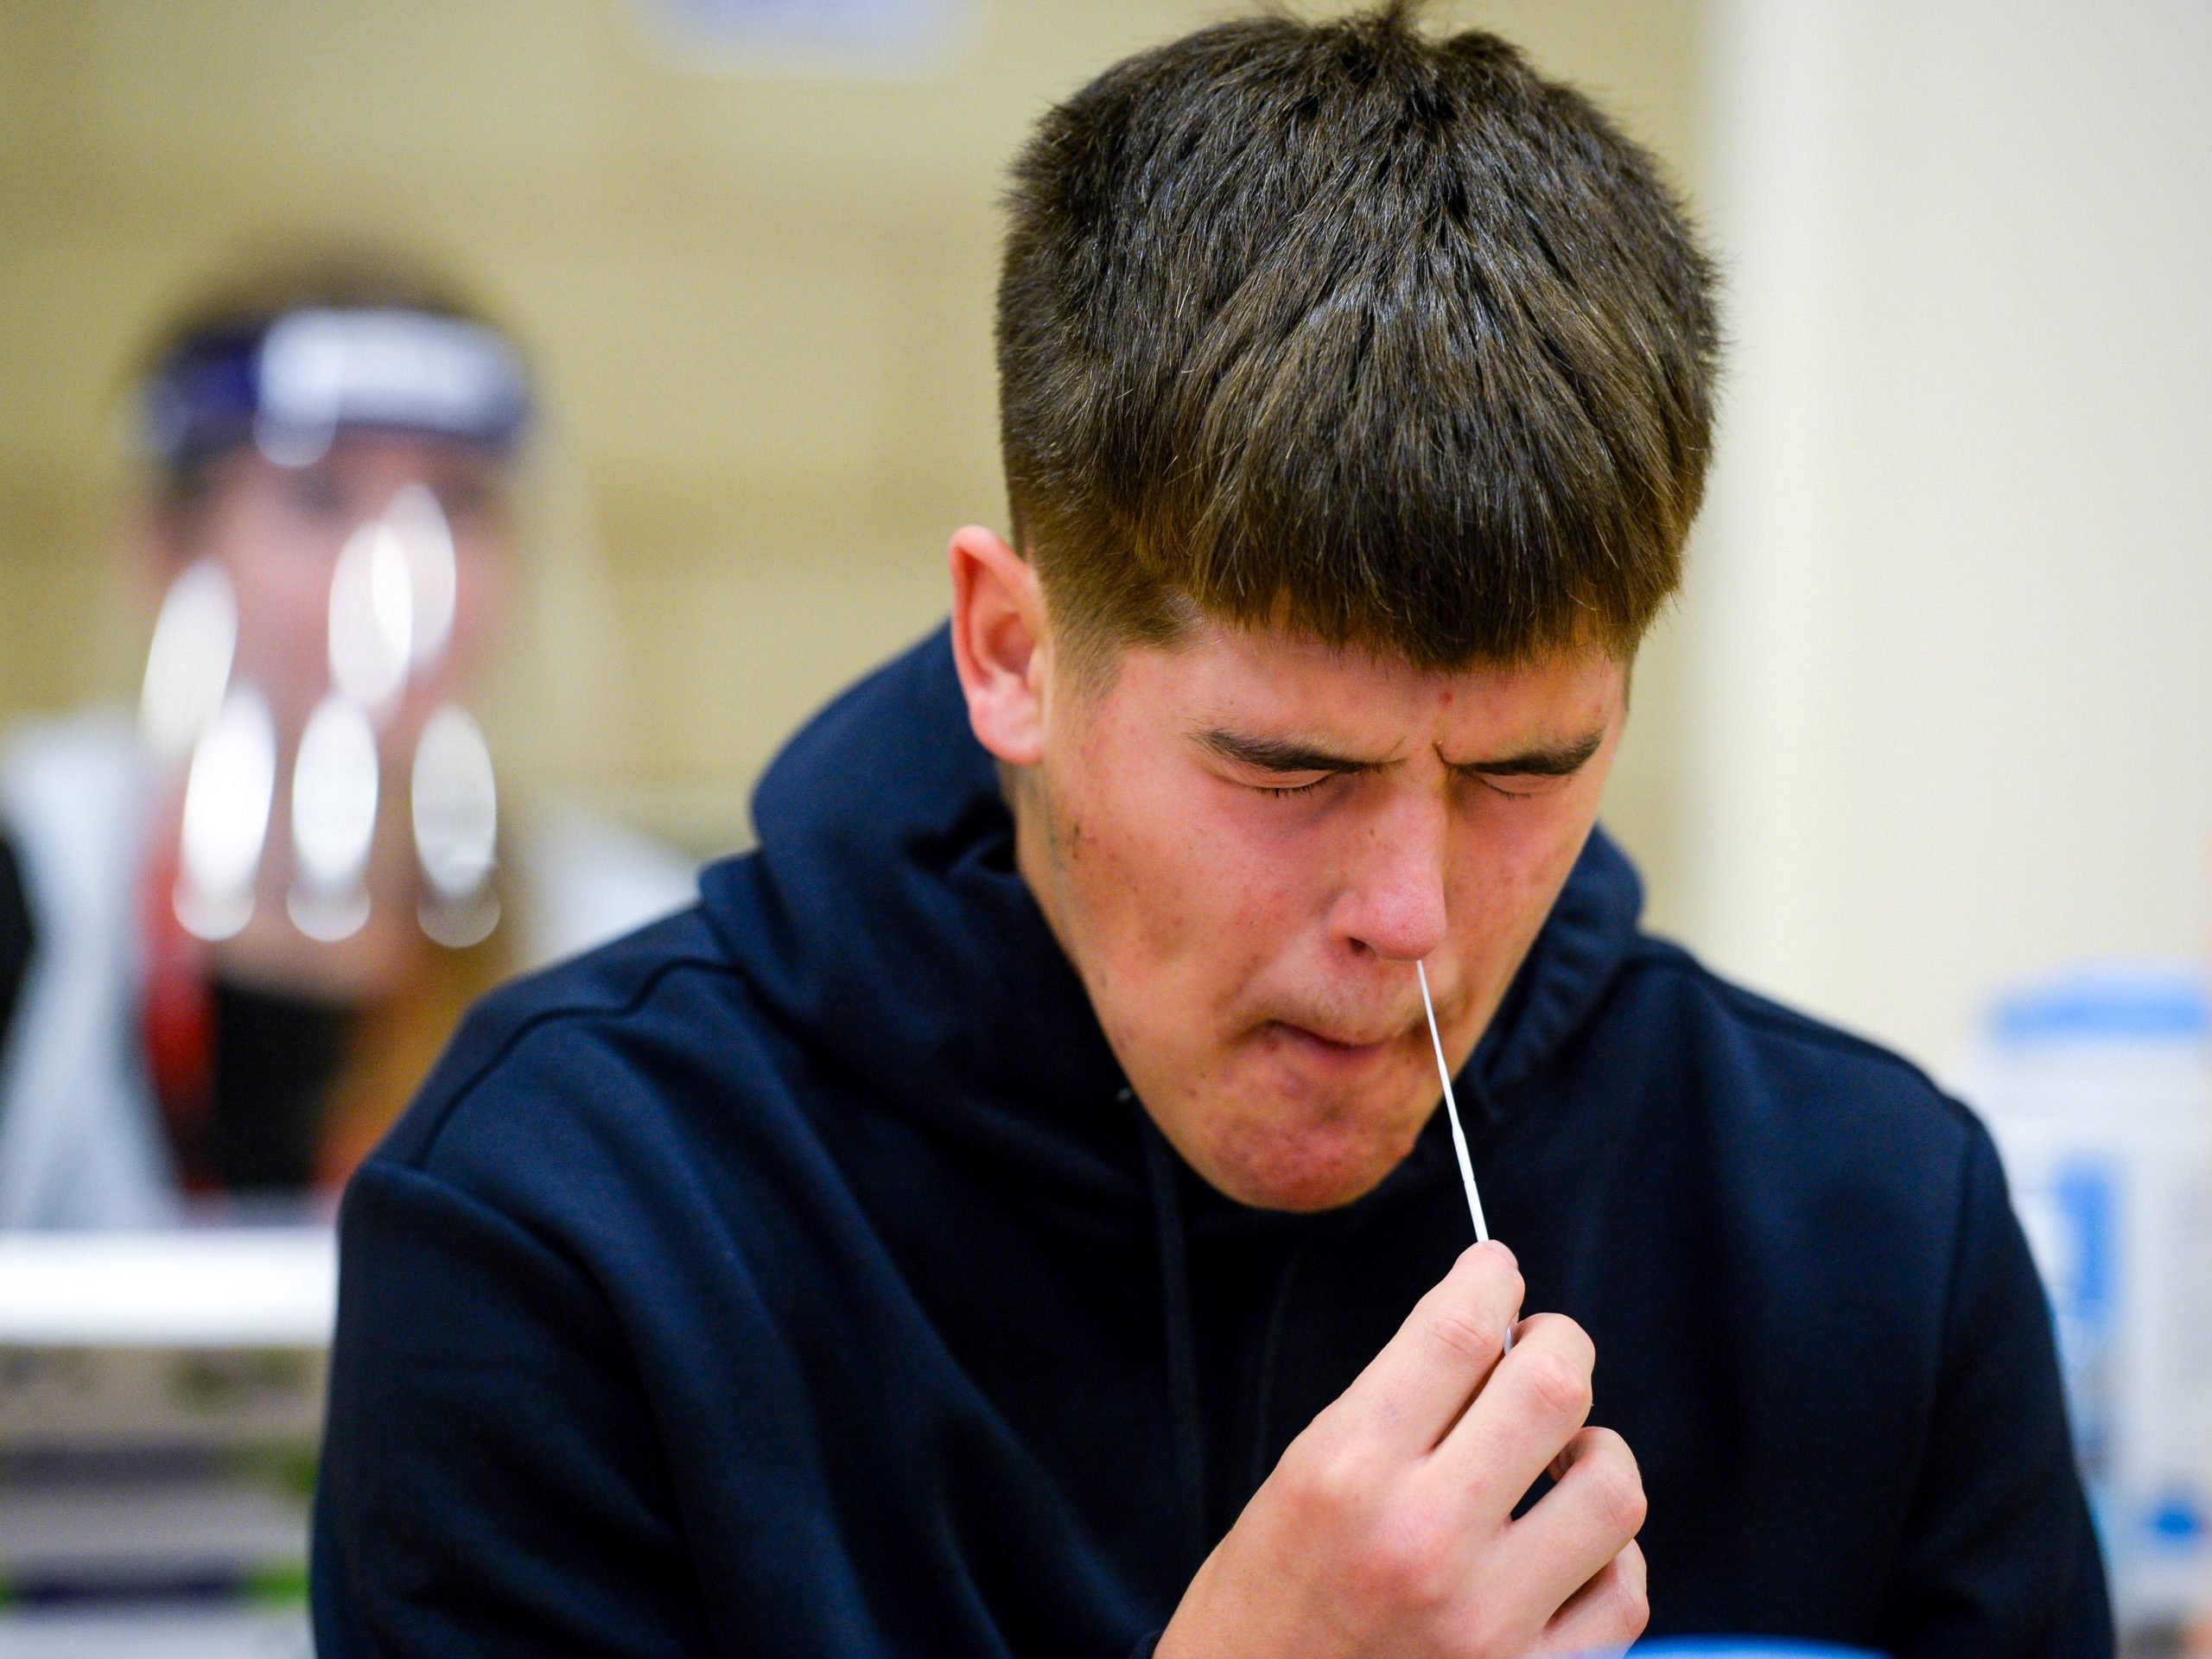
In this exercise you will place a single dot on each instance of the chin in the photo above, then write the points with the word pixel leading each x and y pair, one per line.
pixel 1323 1169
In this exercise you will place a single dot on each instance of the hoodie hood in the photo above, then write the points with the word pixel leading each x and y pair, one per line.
pixel 883 919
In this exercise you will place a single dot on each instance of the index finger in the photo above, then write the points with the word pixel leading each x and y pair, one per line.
pixel 1412 1393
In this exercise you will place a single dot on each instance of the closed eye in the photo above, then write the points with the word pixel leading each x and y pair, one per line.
pixel 1535 772
pixel 1518 786
pixel 1252 759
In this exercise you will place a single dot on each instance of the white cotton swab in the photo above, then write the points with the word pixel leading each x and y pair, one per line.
pixel 1451 1106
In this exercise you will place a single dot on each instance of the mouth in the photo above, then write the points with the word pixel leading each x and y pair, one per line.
pixel 1335 1050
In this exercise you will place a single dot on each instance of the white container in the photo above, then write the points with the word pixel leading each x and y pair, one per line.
pixel 2097 1090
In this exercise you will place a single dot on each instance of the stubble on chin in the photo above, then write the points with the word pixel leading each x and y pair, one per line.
pixel 1274 1148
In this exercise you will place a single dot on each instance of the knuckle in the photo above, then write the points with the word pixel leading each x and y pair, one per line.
pixel 1407 1559
pixel 1629 1607
pixel 1483 1275
pixel 1330 1481
pixel 1618 1494
pixel 1461 1330
pixel 1559 1387
pixel 1482 1264
pixel 1561 1335
pixel 1618 1482
pixel 1597 1441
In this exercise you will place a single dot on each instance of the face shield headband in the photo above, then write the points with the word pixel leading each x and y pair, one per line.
pixel 290 386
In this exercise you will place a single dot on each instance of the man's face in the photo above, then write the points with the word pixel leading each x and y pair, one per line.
pixel 1246 841
pixel 278 532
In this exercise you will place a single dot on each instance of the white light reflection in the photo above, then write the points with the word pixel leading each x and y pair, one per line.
pixel 426 540
pixel 303 388
pixel 455 806
pixel 371 617
pixel 226 797
pixel 188 664
pixel 333 821
pixel 319 370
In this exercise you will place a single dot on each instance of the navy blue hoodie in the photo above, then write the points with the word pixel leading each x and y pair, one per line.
pixel 797 1277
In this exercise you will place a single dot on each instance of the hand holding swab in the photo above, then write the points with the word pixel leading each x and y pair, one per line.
pixel 1319 1552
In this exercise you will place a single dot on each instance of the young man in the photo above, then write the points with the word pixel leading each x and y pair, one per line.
pixel 1012 1216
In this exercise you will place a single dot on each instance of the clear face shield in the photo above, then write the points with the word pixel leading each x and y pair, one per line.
pixel 283 705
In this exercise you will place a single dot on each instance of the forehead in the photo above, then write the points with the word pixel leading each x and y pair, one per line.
pixel 1220 675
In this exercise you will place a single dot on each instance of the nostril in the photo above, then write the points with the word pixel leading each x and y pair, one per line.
pixel 1397 914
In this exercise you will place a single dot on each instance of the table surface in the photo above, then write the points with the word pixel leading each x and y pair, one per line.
pixel 190 1287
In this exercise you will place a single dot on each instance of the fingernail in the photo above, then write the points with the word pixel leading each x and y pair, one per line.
pixel 1495 1245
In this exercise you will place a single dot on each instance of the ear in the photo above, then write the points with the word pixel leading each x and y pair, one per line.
pixel 1000 644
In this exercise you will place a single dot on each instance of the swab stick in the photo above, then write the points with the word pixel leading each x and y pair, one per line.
pixel 1451 1106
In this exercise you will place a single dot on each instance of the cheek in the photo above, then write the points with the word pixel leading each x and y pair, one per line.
pixel 1199 884
pixel 1123 846
pixel 284 597
pixel 1518 858
pixel 1167 903
pixel 480 588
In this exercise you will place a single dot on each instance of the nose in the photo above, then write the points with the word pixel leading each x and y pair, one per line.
pixel 1393 901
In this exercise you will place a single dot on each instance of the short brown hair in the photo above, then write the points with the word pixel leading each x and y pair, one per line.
pixel 1383 338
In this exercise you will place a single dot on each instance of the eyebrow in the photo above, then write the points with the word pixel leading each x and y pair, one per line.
pixel 1289 755
pixel 1279 754
pixel 1545 760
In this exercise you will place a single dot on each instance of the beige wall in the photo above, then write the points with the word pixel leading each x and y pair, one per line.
pixel 761 304
pixel 1953 716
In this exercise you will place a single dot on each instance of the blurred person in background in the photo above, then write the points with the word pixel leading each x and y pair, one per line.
pixel 233 939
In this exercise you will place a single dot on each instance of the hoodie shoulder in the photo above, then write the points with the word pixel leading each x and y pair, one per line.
pixel 501 1078
pixel 1832 1097
pixel 1767 1021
